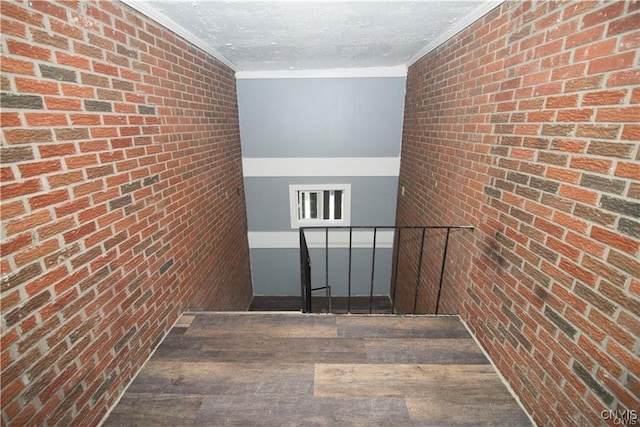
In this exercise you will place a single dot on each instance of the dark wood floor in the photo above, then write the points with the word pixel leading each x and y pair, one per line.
pixel 291 369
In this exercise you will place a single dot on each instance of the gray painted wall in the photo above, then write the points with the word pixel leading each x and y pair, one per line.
pixel 277 271
pixel 321 117
pixel 372 200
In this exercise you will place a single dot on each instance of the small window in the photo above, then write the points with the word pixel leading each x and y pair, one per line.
pixel 319 204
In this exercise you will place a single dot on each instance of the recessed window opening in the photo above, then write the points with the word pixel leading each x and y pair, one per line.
pixel 319 204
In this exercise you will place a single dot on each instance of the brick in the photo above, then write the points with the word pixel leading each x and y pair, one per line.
pixel 27 136
pixel 583 37
pixel 31 102
pixel 52 228
pixel 623 78
pixel 19 189
pixel 579 194
pixel 33 252
pixel 634 190
pixel 597 131
pixel 39 168
pixel 631 132
pixel 553 158
pixel 17 66
pixel 120 202
pixel 74 61
pixel 31 305
pixel 16 154
pixel 27 50
pixel 609 149
pixel 594 214
pixel 48 199
pixel 98 106
pixel 631 266
pixel 78 233
pixel 54 103
pixel 20 276
pixel 592 383
pixel 584 83
pixel 51 9
pixel 69 134
pixel 85 120
pixel 615 240
pixel 621 206
pixel 56 150
pixel 15 244
pixel 560 322
pixel 57 73
pixel 603 14
pixel 599 183
pixel 619 26
pixel 94 80
pixel 86 257
pixel 27 85
pixel 568 145
pixel 46 119
pixel 9 119
pixel 595 50
pixel 102 68
pixel 558 130
pixel 622 114
pixel 629 227
pixel 44 37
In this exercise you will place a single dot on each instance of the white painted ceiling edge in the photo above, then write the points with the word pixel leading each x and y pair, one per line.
pixel 399 70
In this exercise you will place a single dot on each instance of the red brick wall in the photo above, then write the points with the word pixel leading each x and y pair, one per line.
pixel 122 201
pixel 525 125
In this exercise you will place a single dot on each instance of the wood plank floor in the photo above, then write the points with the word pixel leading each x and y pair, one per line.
pixel 291 369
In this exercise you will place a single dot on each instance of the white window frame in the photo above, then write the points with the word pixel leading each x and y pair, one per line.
pixel 296 222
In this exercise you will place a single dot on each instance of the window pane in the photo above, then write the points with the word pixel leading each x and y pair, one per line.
pixel 314 205
pixel 327 204
pixel 301 205
pixel 337 213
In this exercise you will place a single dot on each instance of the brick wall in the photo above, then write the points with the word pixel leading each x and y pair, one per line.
pixel 525 125
pixel 122 201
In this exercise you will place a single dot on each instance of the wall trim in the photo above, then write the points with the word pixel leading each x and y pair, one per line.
pixel 320 166
pixel 316 239
pixel 393 71
pixel 144 8
pixel 484 8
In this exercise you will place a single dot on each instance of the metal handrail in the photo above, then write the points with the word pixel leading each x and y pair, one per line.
pixel 305 263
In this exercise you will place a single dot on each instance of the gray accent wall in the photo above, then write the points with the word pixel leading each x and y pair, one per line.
pixel 372 200
pixel 321 117
pixel 277 271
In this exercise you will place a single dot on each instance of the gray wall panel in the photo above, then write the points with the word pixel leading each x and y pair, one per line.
pixel 321 117
pixel 372 200
pixel 277 271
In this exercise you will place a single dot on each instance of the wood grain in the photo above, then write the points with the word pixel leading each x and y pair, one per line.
pixel 290 369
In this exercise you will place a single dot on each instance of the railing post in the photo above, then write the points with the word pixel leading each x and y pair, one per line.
pixel 349 282
pixel 395 274
pixel 444 260
pixel 373 269
pixel 326 266
pixel 415 297
pixel 305 274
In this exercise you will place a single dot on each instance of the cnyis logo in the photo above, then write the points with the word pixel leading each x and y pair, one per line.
pixel 621 417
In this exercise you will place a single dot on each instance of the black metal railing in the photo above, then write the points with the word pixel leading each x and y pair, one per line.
pixel 305 264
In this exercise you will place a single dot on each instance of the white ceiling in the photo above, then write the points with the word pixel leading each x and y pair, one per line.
pixel 315 35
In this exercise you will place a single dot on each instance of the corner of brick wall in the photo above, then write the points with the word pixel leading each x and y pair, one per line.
pixel 122 201
pixel 526 126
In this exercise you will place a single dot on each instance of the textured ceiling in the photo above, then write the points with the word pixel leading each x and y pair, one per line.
pixel 315 35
